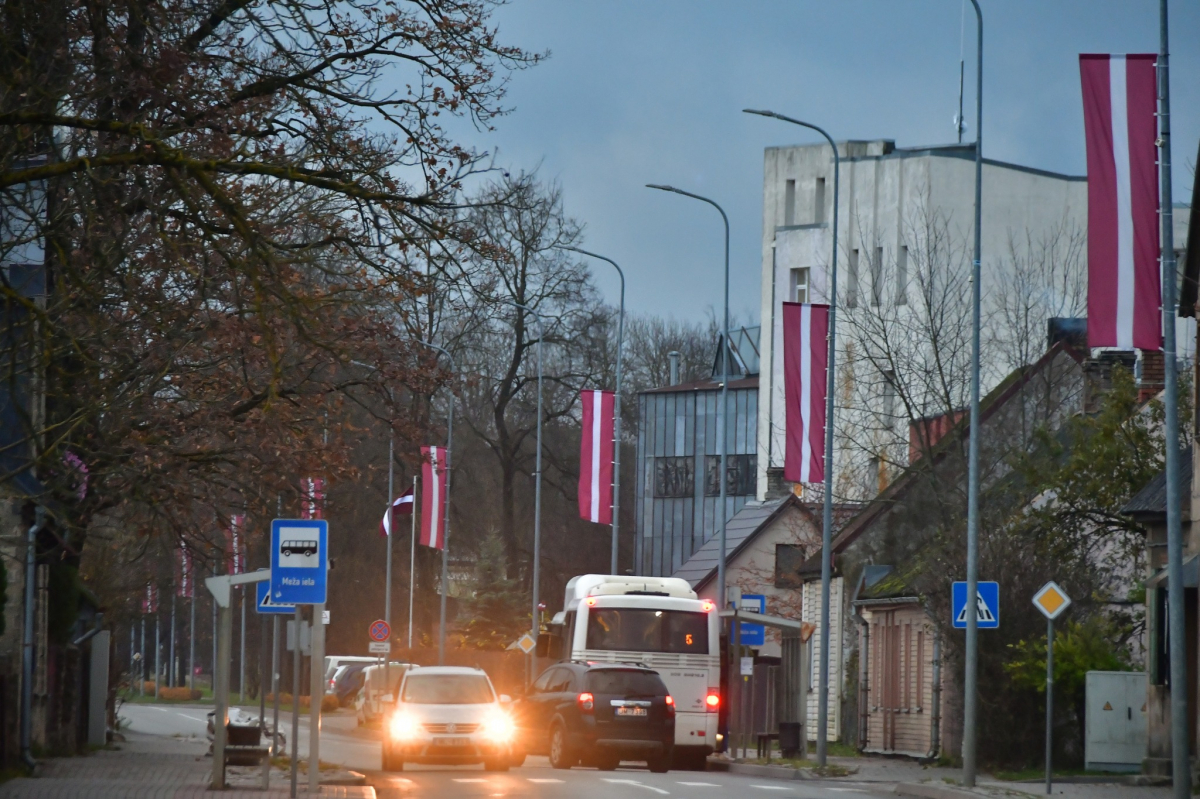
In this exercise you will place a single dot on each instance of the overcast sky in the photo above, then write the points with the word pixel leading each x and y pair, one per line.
pixel 639 91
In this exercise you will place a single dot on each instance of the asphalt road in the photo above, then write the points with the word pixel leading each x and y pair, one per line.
pixel 537 779
pixel 358 749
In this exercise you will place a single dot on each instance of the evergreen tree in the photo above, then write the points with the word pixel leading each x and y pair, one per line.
pixel 494 612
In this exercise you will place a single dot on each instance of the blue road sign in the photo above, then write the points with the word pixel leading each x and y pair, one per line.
pixel 987 606
pixel 299 560
pixel 752 634
pixel 265 605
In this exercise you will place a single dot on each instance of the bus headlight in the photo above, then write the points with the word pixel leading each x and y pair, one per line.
pixel 404 727
pixel 499 728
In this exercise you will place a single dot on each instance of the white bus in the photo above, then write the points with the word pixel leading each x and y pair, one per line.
pixel 656 621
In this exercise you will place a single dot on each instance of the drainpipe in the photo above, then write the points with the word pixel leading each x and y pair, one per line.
pixel 27 643
pixel 935 719
pixel 864 688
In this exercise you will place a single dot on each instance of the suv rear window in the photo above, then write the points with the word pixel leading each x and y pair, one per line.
pixel 625 681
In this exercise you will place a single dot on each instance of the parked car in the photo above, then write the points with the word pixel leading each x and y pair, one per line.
pixel 333 661
pixel 598 714
pixel 378 691
pixel 448 715
pixel 347 681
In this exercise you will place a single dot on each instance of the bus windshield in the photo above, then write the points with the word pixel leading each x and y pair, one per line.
pixel 647 630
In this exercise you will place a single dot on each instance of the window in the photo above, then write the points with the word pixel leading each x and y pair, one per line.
pixel 647 630
pixel 902 276
pixel 625 682
pixel 877 278
pixel 799 285
pixel 740 479
pixel 852 281
pixel 561 681
pixel 447 689
pixel 789 203
pixel 819 201
pixel 542 683
pixel 889 396
pixel 873 475
pixel 674 477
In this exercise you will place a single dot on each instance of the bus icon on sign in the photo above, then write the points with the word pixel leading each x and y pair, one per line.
pixel 298 553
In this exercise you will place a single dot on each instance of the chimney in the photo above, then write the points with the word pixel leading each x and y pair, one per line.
pixel 673 357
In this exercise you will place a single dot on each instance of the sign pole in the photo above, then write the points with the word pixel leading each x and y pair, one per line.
pixel 275 684
pixel 1049 696
pixel 317 675
pixel 295 698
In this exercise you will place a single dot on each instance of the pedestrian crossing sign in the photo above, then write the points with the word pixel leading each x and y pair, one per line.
pixel 987 605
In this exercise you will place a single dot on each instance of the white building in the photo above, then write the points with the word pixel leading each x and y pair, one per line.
pixel 905 239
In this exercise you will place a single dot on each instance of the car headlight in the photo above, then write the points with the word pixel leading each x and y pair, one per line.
pixel 404 727
pixel 499 728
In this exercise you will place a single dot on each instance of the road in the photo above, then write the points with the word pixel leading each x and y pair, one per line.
pixel 345 744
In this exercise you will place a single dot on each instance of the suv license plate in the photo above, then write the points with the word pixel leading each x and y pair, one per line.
pixel 631 711
pixel 451 741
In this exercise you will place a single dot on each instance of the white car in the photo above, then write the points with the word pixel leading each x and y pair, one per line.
pixel 448 715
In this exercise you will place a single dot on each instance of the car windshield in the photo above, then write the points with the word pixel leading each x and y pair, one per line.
pixel 626 682
pixel 447 689
pixel 647 630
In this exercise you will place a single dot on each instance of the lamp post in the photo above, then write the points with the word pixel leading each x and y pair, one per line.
pixel 971 665
pixel 387 591
pixel 721 433
pixel 827 508
pixel 446 538
pixel 537 475
pixel 616 510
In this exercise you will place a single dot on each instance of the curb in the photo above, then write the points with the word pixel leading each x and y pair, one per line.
pixel 769 772
pixel 349 779
pixel 927 790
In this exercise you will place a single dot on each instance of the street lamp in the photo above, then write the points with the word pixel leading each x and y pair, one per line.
pixel 971 670
pixel 537 474
pixel 724 390
pixel 446 538
pixel 827 511
pixel 616 509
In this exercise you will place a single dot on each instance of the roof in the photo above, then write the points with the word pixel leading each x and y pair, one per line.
pixel 705 385
pixel 994 401
pixel 1151 501
pixel 740 530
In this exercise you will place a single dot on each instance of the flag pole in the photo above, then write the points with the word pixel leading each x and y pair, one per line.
pixel 412 562
pixel 391 498
pixel 1180 770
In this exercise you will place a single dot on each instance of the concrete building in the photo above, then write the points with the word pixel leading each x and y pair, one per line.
pixel 905 241
pixel 678 458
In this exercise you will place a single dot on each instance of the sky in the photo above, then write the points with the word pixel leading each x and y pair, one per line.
pixel 651 91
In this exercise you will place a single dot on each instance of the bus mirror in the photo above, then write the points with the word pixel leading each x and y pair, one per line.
pixel 543 644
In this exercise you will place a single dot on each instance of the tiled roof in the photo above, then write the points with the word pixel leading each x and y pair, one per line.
pixel 739 530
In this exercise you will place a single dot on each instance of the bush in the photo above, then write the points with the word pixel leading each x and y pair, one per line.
pixel 329 702
pixel 182 694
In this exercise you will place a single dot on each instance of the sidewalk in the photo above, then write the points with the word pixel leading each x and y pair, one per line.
pixel 151 767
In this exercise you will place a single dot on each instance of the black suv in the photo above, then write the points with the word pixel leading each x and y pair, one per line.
pixel 598 714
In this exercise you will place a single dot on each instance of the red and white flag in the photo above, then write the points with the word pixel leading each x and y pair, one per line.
pixel 596 457
pixel 183 572
pixel 805 361
pixel 150 600
pixel 312 500
pixel 403 505
pixel 1124 286
pixel 235 545
pixel 433 497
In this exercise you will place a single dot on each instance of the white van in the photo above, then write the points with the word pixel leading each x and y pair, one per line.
pixel 333 661
pixel 379 689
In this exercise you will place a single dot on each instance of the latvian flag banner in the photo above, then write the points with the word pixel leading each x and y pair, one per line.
pixel 433 497
pixel 596 457
pixel 1124 294
pixel 805 357
pixel 403 505
pixel 183 572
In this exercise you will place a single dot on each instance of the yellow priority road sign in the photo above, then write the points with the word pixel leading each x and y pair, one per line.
pixel 1051 600
pixel 526 643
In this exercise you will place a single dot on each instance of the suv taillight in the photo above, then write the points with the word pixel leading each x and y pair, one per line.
pixel 586 702
pixel 712 702
pixel 670 706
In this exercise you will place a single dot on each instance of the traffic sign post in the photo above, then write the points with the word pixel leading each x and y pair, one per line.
pixel 379 630
pixel 987 605
pixel 1051 601
pixel 379 647
pixel 526 643
pixel 265 605
pixel 299 561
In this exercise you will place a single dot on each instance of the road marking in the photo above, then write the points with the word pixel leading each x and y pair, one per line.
pixel 845 790
pixel 544 781
pixel 469 779
pixel 771 787
pixel 700 784
pixel 636 784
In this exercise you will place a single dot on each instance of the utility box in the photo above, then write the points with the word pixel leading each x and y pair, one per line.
pixel 1116 721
